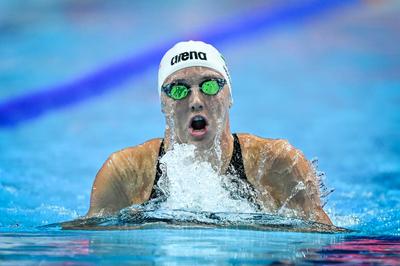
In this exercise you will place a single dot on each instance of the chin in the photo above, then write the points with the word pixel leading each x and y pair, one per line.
pixel 203 142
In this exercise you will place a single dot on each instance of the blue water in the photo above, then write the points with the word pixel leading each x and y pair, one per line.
pixel 330 84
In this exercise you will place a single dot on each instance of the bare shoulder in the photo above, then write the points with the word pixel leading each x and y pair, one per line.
pixel 135 167
pixel 274 157
pixel 125 178
pixel 284 174
pixel 275 153
pixel 253 143
pixel 147 149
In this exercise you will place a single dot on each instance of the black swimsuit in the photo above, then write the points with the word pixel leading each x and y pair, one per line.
pixel 235 169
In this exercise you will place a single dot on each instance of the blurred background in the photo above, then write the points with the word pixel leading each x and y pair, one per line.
pixel 78 81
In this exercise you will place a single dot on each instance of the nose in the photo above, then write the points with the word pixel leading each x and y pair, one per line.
pixel 196 104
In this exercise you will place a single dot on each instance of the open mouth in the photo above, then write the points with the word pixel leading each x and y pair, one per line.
pixel 198 126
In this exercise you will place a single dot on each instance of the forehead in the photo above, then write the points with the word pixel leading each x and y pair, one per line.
pixel 193 74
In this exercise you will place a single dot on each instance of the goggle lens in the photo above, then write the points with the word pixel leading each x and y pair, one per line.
pixel 178 92
pixel 210 87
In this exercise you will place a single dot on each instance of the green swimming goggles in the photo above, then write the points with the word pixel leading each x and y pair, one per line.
pixel 179 90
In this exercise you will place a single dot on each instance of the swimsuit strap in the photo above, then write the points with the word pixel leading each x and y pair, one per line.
pixel 236 166
pixel 155 192
pixel 240 187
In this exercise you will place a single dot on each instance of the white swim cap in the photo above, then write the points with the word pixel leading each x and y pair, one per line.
pixel 188 54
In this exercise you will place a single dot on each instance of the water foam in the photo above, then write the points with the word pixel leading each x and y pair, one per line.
pixel 192 184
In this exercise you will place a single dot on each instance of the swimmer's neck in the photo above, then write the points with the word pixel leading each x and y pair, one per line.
pixel 219 156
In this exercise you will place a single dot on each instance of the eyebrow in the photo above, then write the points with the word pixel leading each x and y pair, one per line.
pixel 209 77
pixel 184 81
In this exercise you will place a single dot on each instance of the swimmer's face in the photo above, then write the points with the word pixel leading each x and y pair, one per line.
pixel 199 118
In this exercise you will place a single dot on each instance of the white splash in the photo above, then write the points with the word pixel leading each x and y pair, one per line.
pixel 194 185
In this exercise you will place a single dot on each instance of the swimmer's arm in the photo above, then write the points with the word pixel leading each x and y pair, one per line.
pixel 108 195
pixel 299 184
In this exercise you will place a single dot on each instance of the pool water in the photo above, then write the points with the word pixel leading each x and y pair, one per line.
pixel 328 81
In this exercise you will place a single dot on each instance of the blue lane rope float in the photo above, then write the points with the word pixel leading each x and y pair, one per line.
pixel 16 110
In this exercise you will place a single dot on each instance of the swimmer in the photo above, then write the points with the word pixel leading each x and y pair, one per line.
pixel 196 94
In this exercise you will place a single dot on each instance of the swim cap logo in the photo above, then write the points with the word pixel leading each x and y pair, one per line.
pixel 188 56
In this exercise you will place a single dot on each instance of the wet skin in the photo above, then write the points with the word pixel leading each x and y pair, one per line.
pixel 285 179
